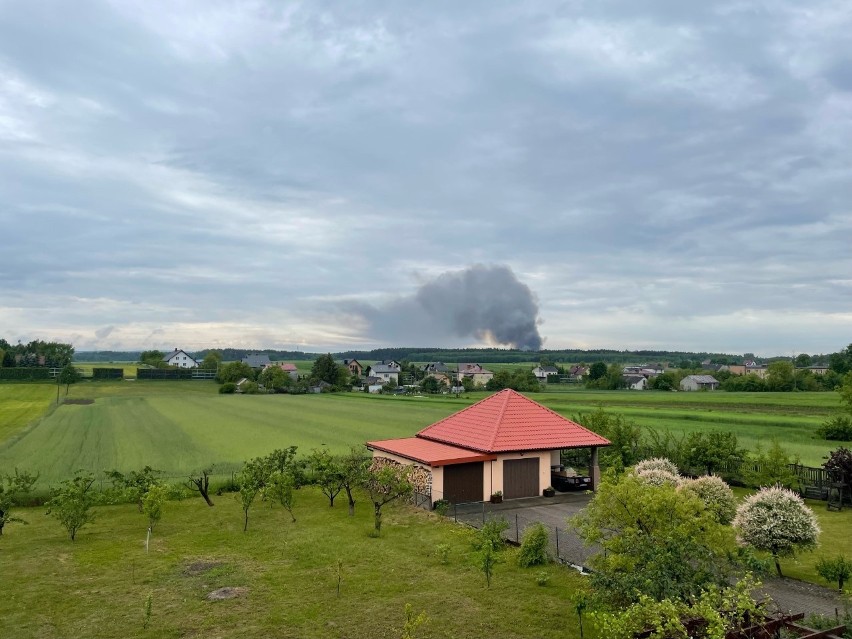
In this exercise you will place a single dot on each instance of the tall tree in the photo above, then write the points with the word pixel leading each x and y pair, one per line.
pixel 654 540
pixel 325 369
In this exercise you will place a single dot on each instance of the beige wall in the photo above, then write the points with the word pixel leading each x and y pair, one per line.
pixel 492 479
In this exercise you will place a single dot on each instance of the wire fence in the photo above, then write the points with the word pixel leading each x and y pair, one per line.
pixel 565 544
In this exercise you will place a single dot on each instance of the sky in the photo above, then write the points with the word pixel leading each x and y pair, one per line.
pixel 201 174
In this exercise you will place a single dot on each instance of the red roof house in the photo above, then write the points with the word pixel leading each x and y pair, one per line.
pixel 506 442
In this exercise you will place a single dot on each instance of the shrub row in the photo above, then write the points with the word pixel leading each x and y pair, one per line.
pixel 25 374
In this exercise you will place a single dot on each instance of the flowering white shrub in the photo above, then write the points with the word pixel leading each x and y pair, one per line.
pixel 656 477
pixel 657 463
pixel 716 495
pixel 776 520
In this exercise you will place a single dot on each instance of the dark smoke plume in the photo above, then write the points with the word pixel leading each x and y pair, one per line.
pixel 487 302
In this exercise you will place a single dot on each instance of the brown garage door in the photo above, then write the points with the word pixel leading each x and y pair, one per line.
pixel 463 482
pixel 520 478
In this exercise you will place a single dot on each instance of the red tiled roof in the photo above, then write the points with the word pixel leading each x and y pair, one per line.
pixel 508 421
pixel 429 452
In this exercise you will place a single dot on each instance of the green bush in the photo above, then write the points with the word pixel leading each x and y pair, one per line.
pixel 534 546
pixel 228 388
pixel 838 428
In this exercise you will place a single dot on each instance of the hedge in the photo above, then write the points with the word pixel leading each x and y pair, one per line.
pixel 163 373
pixel 107 373
pixel 25 374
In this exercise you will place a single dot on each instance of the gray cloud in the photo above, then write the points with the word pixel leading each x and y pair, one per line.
pixel 223 166
pixel 104 332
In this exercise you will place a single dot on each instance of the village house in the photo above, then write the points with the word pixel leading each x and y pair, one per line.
pixel 542 372
pixel 385 372
pixel 480 376
pixel 699 382
pixel 180 359
pixel 287 367
pixel 354 367
pixel 257 361
pixel 506 442
pixel 635 382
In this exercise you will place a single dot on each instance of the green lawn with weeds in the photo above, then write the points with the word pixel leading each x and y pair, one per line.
pixel 96 587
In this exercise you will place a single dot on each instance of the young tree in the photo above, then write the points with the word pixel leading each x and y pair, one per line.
pixel 135 483
pixel 71 503
pixel 771 467
pixel 710 451
pixel 654 540
pixel 17 485
pixel 252 480
pixel 152 503
pixel 68 375
pixel 384 484
pixel 326 472
pixel 281 486
pixel 597 371
pixel 777 521
pixel 200 481
pixel 837 570
pixel 353 465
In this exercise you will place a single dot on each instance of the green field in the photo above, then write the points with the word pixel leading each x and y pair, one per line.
pixel 96 586
pixel 181 426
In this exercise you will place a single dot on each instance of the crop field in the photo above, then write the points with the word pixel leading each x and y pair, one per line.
pixel 96 586
pixel 182 426
pixel 128 368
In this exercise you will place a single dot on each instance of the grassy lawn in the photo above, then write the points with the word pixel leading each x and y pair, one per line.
pixel 21 404
pixel 128 368
pixel 96 587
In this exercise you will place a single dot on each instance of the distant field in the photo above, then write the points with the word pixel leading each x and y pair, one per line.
pixel 754 417
pixel 180 426
pixel 129 368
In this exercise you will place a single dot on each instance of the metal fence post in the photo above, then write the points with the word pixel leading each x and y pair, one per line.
pixel 517 536
pixel 556 528
pixel 483 513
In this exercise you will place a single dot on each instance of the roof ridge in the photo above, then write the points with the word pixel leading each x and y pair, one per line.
pixel 496 432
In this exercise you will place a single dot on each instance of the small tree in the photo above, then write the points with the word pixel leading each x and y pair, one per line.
pixel 68 375
pixel 487 557
pixel 837 570
pixel 72 503
pixel 152 503
pixel 771 468
pixel 776 520
pixel 282 488
pixel 384 484
pixel 354 466
pixel 655 540
pixel 200 481
pixel 657 463
pixel 17 486
pixel 327 473
pixel 252 479
pixel 135 483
